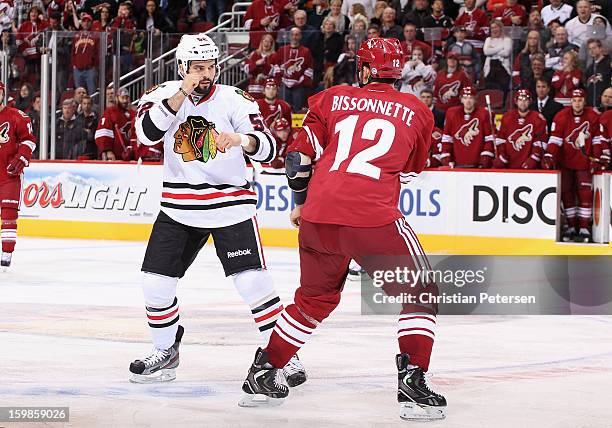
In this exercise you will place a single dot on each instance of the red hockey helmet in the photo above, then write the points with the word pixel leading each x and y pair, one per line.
pixel 522 93
pixel 468 91
pixel 271 82
pixel 384 57
pixel 578 93
pixel 280 124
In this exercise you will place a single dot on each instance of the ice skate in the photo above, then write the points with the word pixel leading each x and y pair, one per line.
pixel 584 235
pixel 417 401
pixel 569 234
pixel 5 260
pixel 294 372
pixel 265 386
pixel 160 366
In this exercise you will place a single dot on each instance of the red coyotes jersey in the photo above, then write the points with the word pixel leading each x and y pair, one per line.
pixel 113 132
pixel 467 137
pixel 364 141
pixel 15 130
pixel 258 10
pixel 507 12
pixel 436 149
pixel 476 24
pixel 276 110
pixel 294 66
pixel 447 88
pixel 574 138
pixel 564 82
pixel 521 139
pixel 29 35
pixel 257 74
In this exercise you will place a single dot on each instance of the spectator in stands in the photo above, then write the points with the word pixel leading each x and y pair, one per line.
pixel 63 46
pixel 427 97
pixel 379 8
pixel 154 20
pixel 511 14
pixel 537 72
pixel 497 49
pixel 521 70
pixel 271 107
pixel 449 82
pixel 365 8
pixel 468 57
pixel 606 100
pixel 318 12
pixel 295 68
pixel 114 130
pixel 535 23
pixel 557 9
pixel 373 31
pixel 577 27
pixel 599 25
pixel 110 97
pixel 104 23
pixel 258 66
pixel 28 39
pixel 281 129
pixel 359 28
pixel 345 71
pixel 355 10
pixel 416 14
pixel 8 46
pixel 325 51
pixel 70 137
pixel 85 54
pixel 411 41
pixel 342 21
pixel 558 48
pixel 263 16
pixel 598 73
pixel 6 16
pixel 25 98
pixel 476 24
pixel 416 76
pixel 125 23
pixel 437 19
pixel 567 79
pixel 79 94
pixel 89 117
pixel 21 11
pixel 389 28
pixel 71 18
pixel 214 9
pixel 544 102
pixel 309 33
pixel 34 115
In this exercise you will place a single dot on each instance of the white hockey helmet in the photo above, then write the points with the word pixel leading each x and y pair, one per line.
pixel 195 47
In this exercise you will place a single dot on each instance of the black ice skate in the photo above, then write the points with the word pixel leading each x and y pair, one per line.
pixel 294 372
pixel 569 234
pixel 5 259
pixel 417 401
pixel 160 366
pixel 584 235
pixel 265 386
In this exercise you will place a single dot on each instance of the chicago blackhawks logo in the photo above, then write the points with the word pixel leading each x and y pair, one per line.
pixel 245 94
pixel 195 139
pixel 468 132
pixel 292 66
pixel 521 136
pixel 4 132
pixel 448 91
pixel 579 136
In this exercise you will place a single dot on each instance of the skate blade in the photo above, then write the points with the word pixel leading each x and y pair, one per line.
pixel 164 375
pixel 259 400
pixel 415 412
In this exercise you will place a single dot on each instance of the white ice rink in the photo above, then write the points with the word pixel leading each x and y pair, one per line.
pixel 72 318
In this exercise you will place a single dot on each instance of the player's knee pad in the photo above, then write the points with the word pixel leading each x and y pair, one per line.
pixel 255 286
pixel 159 290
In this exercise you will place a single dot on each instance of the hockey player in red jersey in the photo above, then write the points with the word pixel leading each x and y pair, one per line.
pixel 364 141
pixel 114 129
pixel 575 146
pixel 284 136
pixel 271 107
pixel 468 138
pixel 522 135
pixel 449 82
pixel 17 143
pixel 436 149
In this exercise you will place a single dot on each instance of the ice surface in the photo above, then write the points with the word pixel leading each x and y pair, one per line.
pixel 72 318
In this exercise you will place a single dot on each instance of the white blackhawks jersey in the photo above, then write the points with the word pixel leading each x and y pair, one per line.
pixel 204 187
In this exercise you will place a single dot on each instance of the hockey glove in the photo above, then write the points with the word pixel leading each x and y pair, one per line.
pixel 530 163
pixel 596 165
pixel 445 161
pixel 500 163
pixel 486 161
pixel 20 161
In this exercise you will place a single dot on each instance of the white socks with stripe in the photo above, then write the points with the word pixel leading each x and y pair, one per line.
pixel 162 308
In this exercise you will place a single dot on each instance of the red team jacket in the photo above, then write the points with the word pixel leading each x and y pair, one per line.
pixel 468 138
pixel 476 24
pixel 364 140
pixel 15 135
pixel 258 10
pixel 521 140
pixel 294 66
pixel 271 112
pixel 564 82
pixel 447 88
pixel 28 36
pixel 571 137
pixel 85 50
pixel 114 131
pixel 505 13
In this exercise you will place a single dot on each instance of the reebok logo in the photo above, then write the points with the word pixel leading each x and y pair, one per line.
pixel 238 253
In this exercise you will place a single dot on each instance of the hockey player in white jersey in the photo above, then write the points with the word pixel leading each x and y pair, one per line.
pixel 207 128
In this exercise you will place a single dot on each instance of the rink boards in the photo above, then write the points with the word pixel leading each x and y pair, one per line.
pixel 453 212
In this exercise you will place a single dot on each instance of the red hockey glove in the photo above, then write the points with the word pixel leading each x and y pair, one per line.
pixel 530 163
pixel 486 161
pixel 596 165
pixel 548 162
pixel 445 161
pixel 20 161
pixel 500 163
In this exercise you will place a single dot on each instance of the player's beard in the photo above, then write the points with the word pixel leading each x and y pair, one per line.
pixel 204 92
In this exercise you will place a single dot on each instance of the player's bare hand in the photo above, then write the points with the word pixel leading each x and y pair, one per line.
pixel 190 82
pixel 296 216
pixel 226 140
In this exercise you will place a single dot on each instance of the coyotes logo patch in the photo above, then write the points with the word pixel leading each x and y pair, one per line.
pixel 521 136
pixel 195 139
pixel 468 132
pixel 245 94
pixel 292 66
pixel 579 136
pixel 448 91
pixel 4 132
